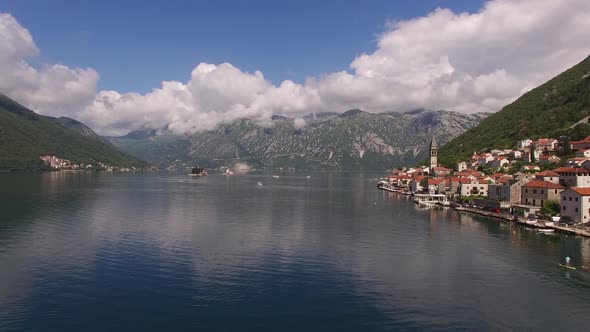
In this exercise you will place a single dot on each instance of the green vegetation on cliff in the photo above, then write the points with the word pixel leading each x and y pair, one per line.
pixel 546 111
pixel 25 135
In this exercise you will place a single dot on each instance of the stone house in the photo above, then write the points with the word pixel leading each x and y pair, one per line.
pixel 537 192
pixel 575 203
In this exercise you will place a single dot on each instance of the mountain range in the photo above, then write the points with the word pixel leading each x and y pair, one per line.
pixel 351 140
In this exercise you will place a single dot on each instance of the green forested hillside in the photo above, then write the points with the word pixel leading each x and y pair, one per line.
pixel 25 135
pixel 546 111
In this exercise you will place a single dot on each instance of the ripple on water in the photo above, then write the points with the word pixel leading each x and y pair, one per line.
pixel 165 251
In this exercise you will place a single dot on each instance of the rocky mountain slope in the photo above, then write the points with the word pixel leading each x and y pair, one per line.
pixel 351 140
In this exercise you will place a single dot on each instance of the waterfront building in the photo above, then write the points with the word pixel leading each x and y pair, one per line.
pixel 510 191
pixel 575 203
pixel 537 192
pixel 474 187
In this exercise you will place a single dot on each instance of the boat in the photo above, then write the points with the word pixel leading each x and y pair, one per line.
pixel 545 230
pixel 567 266
pixel 275 176
pixel 259 184
pixel 429 199
pixel 443 203
pixel 384 185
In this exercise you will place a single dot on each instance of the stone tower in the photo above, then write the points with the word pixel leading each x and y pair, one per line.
pixel 433 153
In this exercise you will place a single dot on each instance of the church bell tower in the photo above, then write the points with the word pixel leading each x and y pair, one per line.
pixel 433 153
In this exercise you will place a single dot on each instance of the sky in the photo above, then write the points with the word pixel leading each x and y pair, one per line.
pixel 190 65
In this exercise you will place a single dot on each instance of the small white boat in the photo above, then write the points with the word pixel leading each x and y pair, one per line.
pixel 275 176
pixel 384 185
pixel 545 230
pixel 259 184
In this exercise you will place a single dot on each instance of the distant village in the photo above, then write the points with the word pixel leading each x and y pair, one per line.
pixel 56 163
pixel 529 180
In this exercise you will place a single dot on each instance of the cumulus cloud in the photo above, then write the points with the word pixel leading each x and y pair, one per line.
pixel 443 60
pixel 51 89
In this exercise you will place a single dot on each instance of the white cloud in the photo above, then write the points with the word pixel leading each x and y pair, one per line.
pixel 51 89
pixel 444 60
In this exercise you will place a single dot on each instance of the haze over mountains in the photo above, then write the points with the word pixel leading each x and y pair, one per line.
pixel 350 140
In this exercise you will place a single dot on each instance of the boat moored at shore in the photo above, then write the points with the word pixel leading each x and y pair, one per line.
pixel 431 199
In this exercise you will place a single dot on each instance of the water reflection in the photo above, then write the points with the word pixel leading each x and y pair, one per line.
pixel 330 251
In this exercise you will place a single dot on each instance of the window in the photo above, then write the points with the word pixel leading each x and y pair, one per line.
pixel 576 199
pixel 555 191
pixel 570 198
pixel 563 208
pixel 534 191
pixel 564 198
pixel 542 191
pixel 576 209
pixel 526 191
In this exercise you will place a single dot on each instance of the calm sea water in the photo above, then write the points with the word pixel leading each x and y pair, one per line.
pixel 163 251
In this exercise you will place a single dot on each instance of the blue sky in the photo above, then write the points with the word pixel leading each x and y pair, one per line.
pixel 191 65
pixel 134 45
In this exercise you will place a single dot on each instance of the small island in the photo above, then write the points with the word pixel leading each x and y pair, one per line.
pixel 198 171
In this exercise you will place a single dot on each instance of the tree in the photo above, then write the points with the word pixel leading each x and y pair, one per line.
pixel 551 208
pixel 424 182
pixel 549 166
pixel 567 148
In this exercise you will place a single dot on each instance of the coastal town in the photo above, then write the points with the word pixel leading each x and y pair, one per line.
pixel 533 184
pixel 55 163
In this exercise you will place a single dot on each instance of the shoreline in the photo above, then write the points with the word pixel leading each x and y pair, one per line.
pixel 523 222
pixel 516 220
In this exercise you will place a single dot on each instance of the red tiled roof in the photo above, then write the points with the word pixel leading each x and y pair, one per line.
pixel 543 184
pixel 547 173
pixel 435 181
pixel 461 180
pixel 441 169
pixel 585 140
pixel 571 170
pixel 545 141
pixel 581 191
